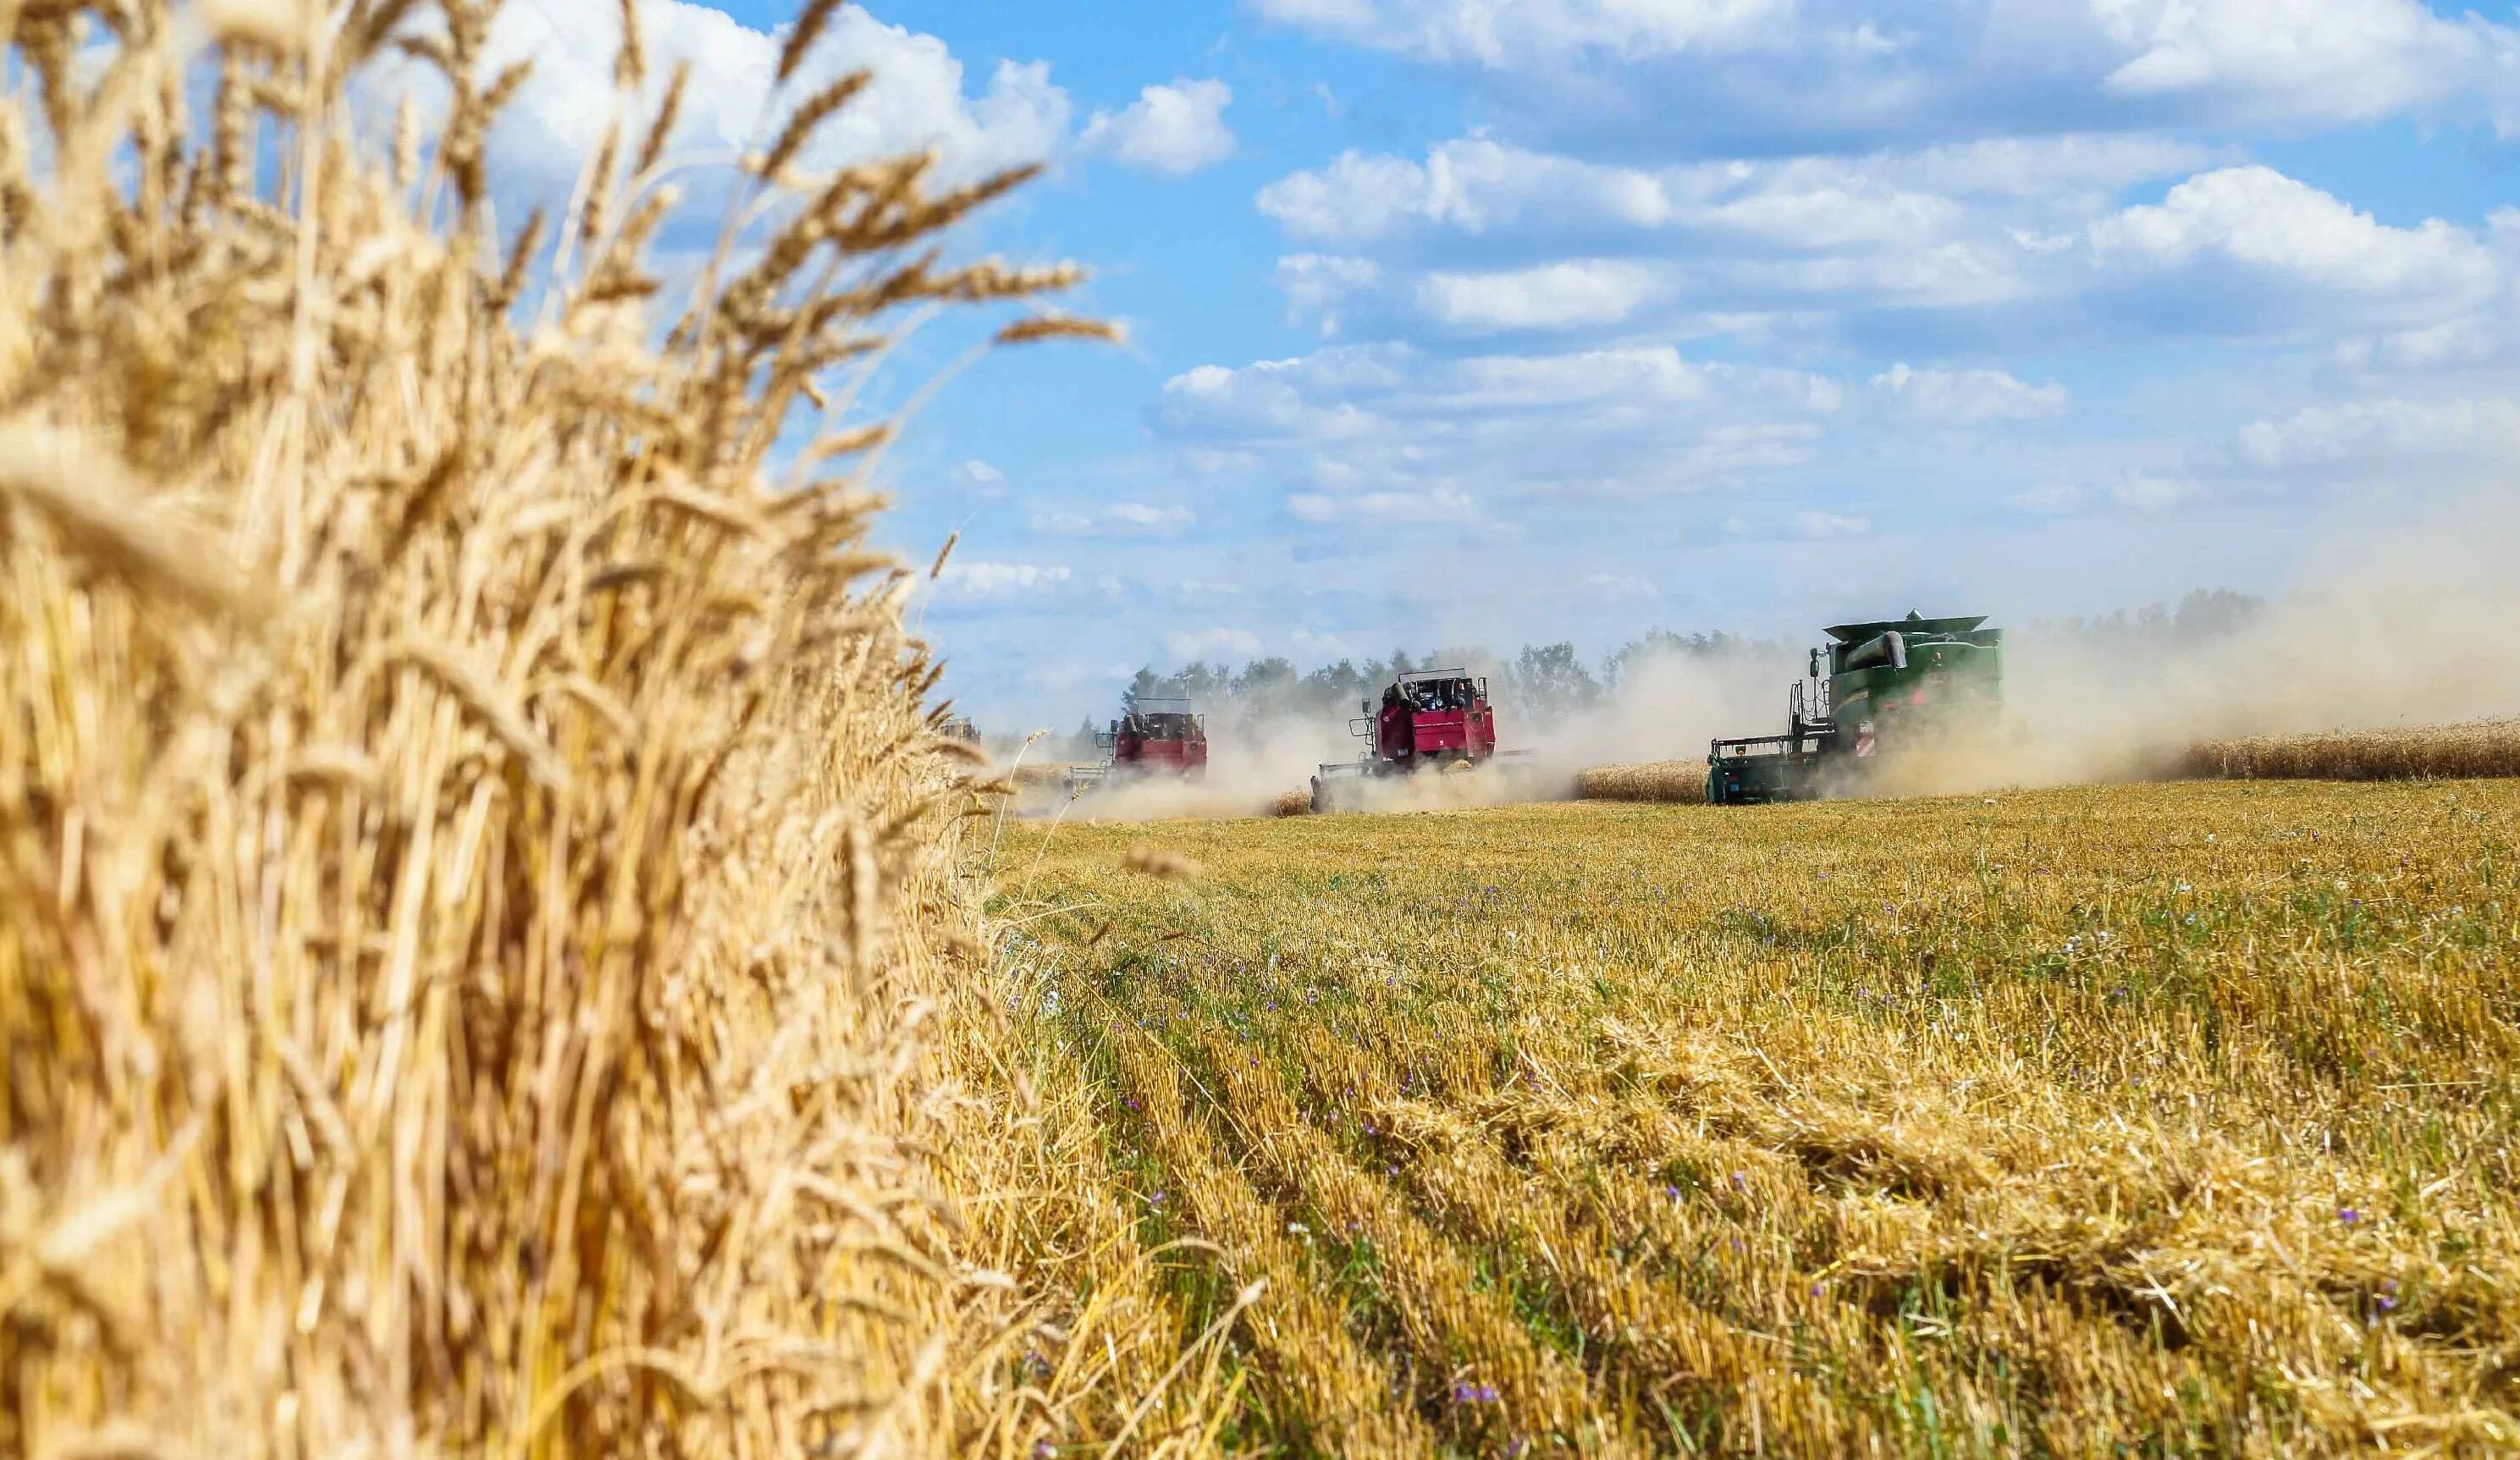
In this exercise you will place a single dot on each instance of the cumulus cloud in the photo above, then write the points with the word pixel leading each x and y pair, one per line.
pixel 1575 293
pixel 1982 235
pixel 1477 186
pixel 1965 397
pixel 1393 433
pixel 2340 59
pixel 1174 129
pixel 2260 219
pixel 1760 73
pixel 1472 185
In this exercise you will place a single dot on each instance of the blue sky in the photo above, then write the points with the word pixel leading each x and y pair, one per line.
pixel 1505 321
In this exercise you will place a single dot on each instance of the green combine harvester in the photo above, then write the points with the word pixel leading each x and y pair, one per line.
pixel 1888 690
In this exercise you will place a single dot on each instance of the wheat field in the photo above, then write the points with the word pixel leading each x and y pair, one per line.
pixel 2150 1119
pixel 483 938
pixel 2447 751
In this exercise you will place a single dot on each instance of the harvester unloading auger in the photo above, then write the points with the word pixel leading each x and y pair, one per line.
pixel 1154 736
pixel 1875 694
pixel 1432 719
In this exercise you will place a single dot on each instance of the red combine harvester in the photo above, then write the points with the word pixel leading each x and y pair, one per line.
pixel 1429 718
pixel 1155 735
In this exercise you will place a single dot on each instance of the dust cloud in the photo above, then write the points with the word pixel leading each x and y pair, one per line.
pixel 2417 625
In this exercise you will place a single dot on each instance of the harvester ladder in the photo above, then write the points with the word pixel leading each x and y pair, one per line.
pixel 1810 706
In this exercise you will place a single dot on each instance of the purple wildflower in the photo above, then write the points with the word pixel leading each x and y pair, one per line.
pixel 2349 1217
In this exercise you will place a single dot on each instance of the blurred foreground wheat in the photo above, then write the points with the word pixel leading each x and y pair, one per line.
pixel 473 848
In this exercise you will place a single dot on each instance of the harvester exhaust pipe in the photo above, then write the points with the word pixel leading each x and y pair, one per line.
pixel 1890 648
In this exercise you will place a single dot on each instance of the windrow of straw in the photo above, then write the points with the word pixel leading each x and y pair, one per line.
pixel 2449 751
pixel 475 852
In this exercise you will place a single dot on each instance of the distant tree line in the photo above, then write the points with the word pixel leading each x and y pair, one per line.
pixel 1548 681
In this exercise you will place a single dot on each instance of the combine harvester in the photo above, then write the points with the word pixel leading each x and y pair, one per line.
pixel 1891 689
pixel 1435 720
pixel 1154 736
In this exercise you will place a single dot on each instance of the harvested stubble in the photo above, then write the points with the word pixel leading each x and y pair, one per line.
pixel 2449 751
pixel 475 857
pixel 2171 1119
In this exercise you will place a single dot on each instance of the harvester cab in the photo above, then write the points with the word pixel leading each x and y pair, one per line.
pixel 1154 735
pixel 1428 719
pixel 1877 691
pixel 1161 735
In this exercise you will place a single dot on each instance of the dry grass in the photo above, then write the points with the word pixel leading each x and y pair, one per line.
pixel 2161 1119
pixel 475 849
pixel 2434 752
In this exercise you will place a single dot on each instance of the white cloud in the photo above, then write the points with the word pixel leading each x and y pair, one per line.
pixel 1113 519
pixel 1395 434
pixel 1818 524
pixel 1508 33
pixel 1438 504
pixel 2342 59
pixel 1966 397
pixel 1318 285
pixel 1471 185
pixel 1769 70
pixel 2383 429
pixel 1575 293
pixel 919 97
pixel 2261 220
pixel 1176 129
pixel 1828 241
pixel 1001 581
